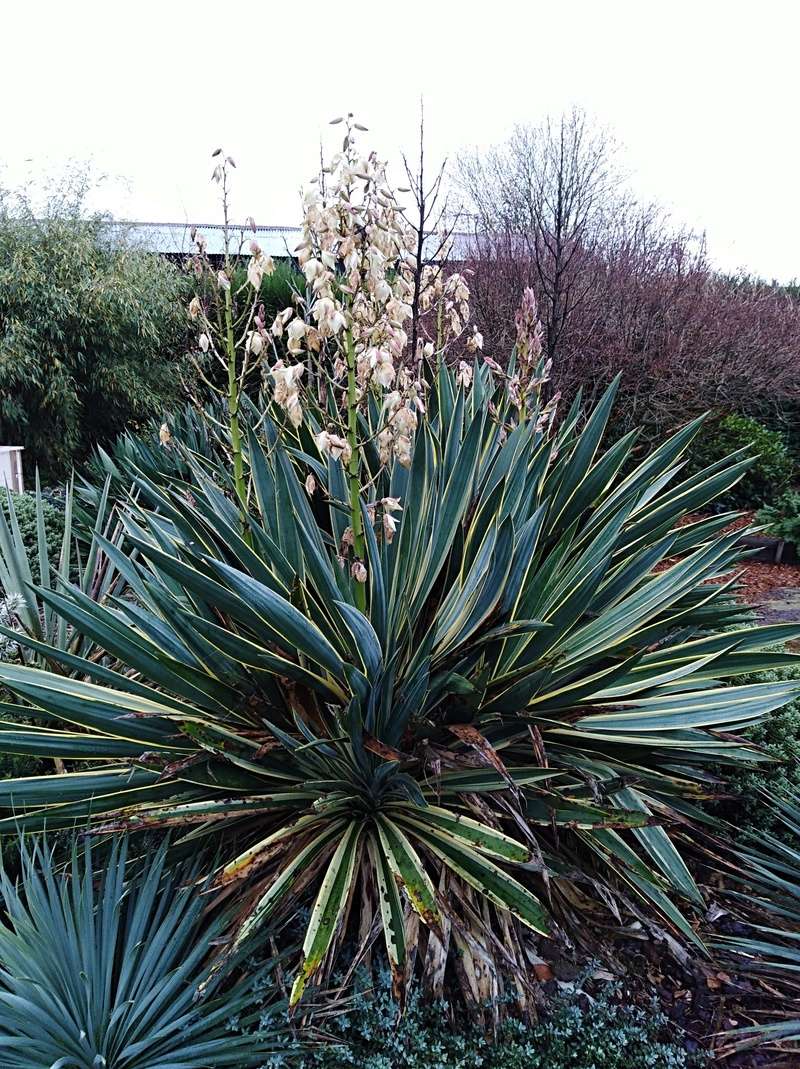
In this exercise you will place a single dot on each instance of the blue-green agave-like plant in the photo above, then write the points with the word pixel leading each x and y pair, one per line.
pixel 101 964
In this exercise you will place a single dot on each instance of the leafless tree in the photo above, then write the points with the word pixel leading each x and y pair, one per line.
pixel 432 219
pixel 621 287
pixel 550 192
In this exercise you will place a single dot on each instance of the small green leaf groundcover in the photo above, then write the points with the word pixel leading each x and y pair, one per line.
pixel 576 1035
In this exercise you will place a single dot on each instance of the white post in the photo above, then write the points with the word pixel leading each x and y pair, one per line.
pixel 11 468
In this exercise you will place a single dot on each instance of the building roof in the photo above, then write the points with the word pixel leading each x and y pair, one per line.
pixel 174 239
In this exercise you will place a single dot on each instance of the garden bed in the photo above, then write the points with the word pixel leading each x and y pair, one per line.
pixel 771 587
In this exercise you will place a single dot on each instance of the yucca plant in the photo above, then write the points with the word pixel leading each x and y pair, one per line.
pixel 766 877
pixel 517 725
pixel 102 965
pixel 23 571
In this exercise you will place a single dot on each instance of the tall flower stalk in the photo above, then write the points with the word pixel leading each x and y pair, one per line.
pixel 232 329
pixel 354 464
pixel 357 257
pixel 343 344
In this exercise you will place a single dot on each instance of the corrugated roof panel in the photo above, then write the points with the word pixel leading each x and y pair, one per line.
pixel 174 239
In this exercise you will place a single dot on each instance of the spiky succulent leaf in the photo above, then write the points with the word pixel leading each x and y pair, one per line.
pixel 535 689
pixel 132 956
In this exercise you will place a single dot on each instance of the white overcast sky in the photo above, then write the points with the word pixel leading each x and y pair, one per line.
pixel 703 95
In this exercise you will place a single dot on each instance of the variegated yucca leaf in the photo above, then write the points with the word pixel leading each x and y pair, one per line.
pixel 765 871
pixel 80 560
pixel 531 700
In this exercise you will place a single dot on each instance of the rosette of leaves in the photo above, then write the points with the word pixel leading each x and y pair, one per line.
pixel 766 890
pixel 103 962
pixel 518 725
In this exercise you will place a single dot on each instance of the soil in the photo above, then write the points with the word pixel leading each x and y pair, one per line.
pixel 760 581
pixel 772 590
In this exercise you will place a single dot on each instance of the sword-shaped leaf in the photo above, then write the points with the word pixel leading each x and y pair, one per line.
pixel 490 880
pixel 329 908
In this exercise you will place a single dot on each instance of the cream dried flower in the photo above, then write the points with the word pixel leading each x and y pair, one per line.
pixel 338 448
pixel 280 321
pixel 254 343
pixel 295 333
pixel 475 340
pixel 359 572
pixel 389 527
pixel 464 376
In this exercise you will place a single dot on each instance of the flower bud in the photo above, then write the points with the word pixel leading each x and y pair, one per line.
pixel 359 572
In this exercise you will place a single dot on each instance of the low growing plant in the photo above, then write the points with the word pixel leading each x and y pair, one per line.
pixel 577 1032
pixel 783 517
pixel 779 736
pixel 103 963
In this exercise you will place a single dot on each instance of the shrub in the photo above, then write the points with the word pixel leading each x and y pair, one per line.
pixel 783 517
pixel 770 474
pixel 25 510
pixel 779 735
pixel 121 989
pixel 92 331
pixel 576 1034
pixel 652 304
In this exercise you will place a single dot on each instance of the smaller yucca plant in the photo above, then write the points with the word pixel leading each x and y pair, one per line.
pixel 768 871
pixel 101 968
pixel 79 562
